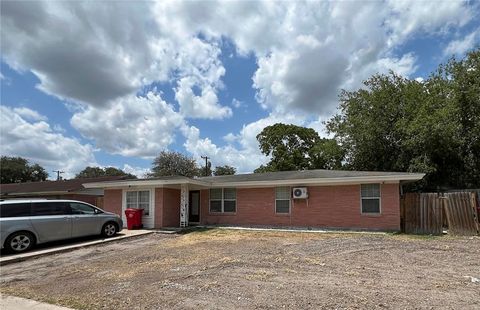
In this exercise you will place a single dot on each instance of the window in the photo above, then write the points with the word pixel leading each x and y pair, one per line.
pixel 50 208
pixel 80 208
pixel 282 200
pixel 370 198
pixel 15 209
pixel 223 200
pixel 139 200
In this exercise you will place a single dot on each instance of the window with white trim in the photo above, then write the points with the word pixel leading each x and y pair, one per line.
pixel 370 198
pixel 139 200
pixel 282 200
pixel 223 200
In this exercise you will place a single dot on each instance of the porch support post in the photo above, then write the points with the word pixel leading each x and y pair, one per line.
pixel 184 205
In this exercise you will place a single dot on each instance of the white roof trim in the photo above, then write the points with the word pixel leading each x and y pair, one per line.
pixel 314 181
pixel 324 181
pixel 134 182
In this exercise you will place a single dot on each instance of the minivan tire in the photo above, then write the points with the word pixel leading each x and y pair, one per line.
pixel 109 229
pixel 19 242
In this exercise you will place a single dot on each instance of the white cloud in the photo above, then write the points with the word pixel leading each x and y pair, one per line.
pixel 304 62
pixel 130 126
pixel 237 103
pixel 29 114
pixel 410 17
pixel 140 172
pixel 99 55
pixel 37 142
pixel 95 53
pixel 199 106
pixel 247 156
pixel 230 138
pixel 459 47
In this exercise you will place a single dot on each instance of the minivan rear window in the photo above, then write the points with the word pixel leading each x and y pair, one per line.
pixel 50 208
pixel 15 209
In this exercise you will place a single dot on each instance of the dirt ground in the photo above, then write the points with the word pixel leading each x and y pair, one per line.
pixel 229 269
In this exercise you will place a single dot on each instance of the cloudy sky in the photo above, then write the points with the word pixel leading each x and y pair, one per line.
pixel 115 83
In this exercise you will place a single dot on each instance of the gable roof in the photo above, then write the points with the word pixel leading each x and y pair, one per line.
pixel 319 176
pixel 63 186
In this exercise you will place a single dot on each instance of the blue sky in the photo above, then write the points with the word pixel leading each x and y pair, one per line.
pixel 113 84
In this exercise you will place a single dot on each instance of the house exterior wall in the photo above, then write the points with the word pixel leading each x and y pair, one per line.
pixel 112 201
pixel 327 206
pixel 171 207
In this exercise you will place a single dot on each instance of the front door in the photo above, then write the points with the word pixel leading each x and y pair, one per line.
pixel 194 207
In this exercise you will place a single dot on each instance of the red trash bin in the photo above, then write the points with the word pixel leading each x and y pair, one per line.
pixel 134 218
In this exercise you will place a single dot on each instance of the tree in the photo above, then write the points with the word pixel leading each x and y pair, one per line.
pixel 96 172
pixel 397 124
pixel 18 169
pixel 327 154
pixel 294 147
pixel 224 170
pixel 201 170
pixel 173 163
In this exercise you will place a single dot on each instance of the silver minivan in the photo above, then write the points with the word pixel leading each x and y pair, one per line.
pixel 24 223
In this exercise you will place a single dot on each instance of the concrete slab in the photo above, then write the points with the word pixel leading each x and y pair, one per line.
pixel 124 234
pixel 16 303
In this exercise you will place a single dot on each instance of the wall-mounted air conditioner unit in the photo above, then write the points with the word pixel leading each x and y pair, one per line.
pixel 300 193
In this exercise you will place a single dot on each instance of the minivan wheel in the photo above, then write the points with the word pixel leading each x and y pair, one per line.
pixel 19 242
pixel 109 230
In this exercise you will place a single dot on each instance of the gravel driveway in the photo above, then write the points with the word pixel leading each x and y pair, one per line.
pixel 225 269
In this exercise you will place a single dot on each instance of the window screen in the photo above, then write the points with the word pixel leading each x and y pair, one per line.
pixel 139 200
pixel 223 200
pixel 370 198
pixel 282 200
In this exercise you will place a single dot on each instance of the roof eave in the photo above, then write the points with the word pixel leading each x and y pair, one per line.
pixel 323 181
pixel 312 181
pixel 128 183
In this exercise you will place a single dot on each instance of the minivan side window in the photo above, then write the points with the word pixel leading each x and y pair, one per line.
pixel 50 208
pixel 80 208
pixel 15 209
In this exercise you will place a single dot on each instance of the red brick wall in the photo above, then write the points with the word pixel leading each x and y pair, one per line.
pixel 171 207
pixel 159 195
pixel 112 201
pixel 327 206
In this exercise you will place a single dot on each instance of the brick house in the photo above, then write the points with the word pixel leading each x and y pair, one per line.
pixel 312 198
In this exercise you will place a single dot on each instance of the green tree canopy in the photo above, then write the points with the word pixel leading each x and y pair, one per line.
pixel 18 169
pixel 174 163
pixel 397 124
pixel 294 147
pixel 95 172
pixel 201 170
pixel 224 170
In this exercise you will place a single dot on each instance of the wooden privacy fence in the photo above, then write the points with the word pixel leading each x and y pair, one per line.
pixel 426 213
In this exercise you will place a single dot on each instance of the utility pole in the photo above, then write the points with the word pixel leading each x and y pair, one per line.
pixel 206 164
pixel 58 174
